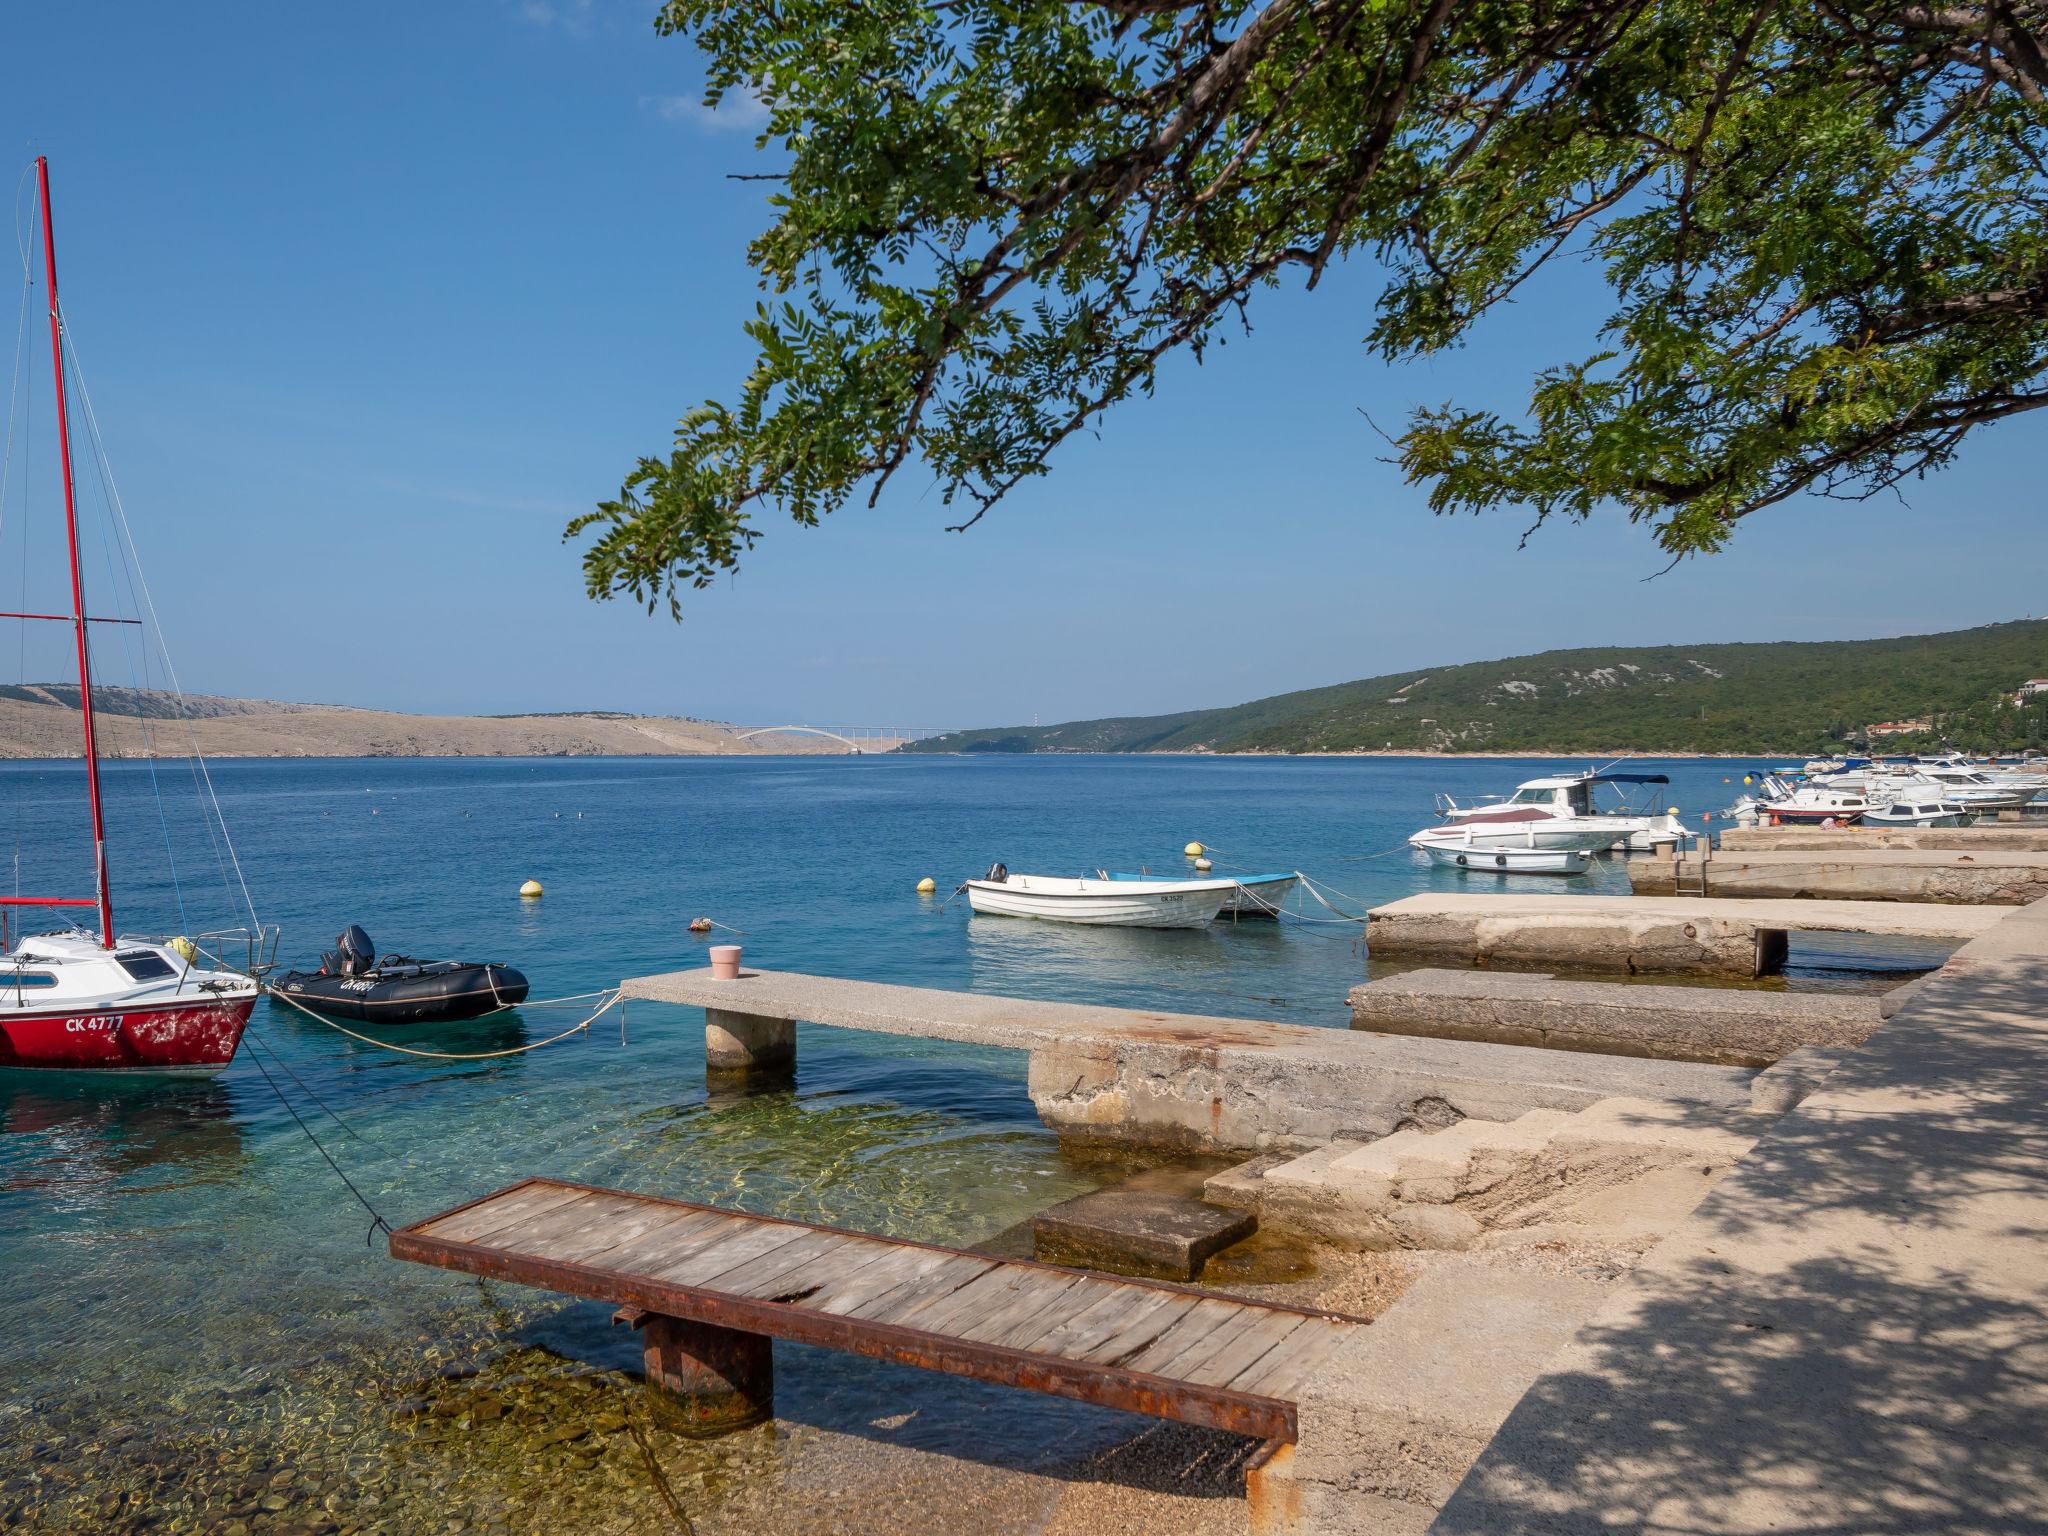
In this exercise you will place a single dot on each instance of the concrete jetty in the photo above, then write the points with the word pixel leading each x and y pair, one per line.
pixel 1850 1333
pixel 1986 876
pixel 1667 935
pixel 2019 839
pixel 1735 1026
pixel 1184 1080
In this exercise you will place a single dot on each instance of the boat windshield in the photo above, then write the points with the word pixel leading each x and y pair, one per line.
pixel 1533 797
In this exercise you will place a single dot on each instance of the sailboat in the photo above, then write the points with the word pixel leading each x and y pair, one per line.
pixel 96 999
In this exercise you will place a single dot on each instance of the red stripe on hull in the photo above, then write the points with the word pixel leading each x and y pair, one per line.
pixel 197 1034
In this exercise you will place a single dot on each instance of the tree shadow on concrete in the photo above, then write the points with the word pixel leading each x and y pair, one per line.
pixel 1850 1336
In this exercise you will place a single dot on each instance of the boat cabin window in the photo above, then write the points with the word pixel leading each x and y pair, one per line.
pixel 1533 797
pixel 31 979
pixel 144 965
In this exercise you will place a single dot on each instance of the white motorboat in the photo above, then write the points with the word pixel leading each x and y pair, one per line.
pixel 1101 901
pixel 1561 811
pixel 1251 896
pixel 1917 813
pixel 1465 852
pixel 1811 804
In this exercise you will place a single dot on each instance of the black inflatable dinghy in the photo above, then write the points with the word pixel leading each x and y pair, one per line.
pixel 353 983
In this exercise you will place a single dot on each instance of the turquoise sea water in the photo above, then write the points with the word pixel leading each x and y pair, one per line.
pixel 195 1328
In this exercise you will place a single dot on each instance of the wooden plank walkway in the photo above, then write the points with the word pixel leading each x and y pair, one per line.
pixel 1171 1351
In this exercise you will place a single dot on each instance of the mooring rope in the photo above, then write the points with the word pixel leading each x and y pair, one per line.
pixel 615 999
pixel 376 1217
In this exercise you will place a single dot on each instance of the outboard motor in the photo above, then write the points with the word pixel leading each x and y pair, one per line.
pixel 355 951
pixel 997 874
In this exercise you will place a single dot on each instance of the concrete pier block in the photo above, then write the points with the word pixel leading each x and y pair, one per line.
pixel 1735 1026
pixel 748 1048
pixel 1994 876
pixel 703 1380
pixel 1138 1232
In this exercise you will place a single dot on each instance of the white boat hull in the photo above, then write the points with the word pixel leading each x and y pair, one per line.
pixel 1102 903
pixel 1559 835
pixel 1511 861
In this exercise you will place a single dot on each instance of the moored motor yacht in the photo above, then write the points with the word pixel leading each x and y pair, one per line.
pixel 1560 810
pixel 1811 804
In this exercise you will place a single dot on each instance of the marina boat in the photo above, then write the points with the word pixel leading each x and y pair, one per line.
pixel 1811 804
pixel 1251 895
pixel 1101 901
pixel 97 999
pixel 1560 811
pixel 1976 791
pixel 1917 813
pixel 1499 858
pixel 353 983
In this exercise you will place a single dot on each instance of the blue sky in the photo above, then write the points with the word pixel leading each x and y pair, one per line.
pixel 372 299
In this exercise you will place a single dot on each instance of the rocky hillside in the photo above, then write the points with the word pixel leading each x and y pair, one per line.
pixel 1767 697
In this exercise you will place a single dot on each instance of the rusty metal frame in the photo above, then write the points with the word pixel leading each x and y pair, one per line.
pixel 1263 1418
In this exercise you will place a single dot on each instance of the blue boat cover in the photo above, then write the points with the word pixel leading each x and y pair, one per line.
pixel 1631 778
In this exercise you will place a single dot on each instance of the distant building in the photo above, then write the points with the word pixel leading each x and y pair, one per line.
pixel 2033 687
pixel 1897 727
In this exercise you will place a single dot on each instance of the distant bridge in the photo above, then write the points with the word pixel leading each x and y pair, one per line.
pixel 855 738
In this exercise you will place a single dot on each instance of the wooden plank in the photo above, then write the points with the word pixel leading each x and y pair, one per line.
pixel 942 1279
pixel 651 1232
pixel 863 1283
pixel 1247 1349
pixel 757 1277
pixel 1147 1321
pixel 1198 1323
pixel 1182 1366
pixel 749 1242
pixel 1088 1293
pixel 667 1246
pixel 1074 1336
pixel 813 1275
pixel 1102 1383
pixel 1033 1303
pixel 1280 1372
pixel 538 1234
pixel 473 1221
pixel 948 1289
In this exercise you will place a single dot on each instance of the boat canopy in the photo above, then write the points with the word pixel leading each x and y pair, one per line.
pixel 1628 778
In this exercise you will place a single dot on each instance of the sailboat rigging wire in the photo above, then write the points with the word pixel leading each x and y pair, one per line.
pixel 376 1217
pixel 27 399
pixel 406 1050
pixel 201 772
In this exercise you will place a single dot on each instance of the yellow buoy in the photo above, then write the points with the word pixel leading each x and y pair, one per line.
pixel 1203 864
pixel 530 890
pixel 1194 850
pixel 700 925
pixel 1674 810
pixel 926 886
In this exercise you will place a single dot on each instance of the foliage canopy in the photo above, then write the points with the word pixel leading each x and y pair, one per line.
pixel 1823 226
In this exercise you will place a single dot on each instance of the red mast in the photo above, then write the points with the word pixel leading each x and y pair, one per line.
pixel 92 760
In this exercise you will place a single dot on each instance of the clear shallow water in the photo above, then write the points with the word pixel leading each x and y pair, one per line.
pixel 193 1321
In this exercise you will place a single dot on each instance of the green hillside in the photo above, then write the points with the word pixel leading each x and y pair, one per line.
pixel 1771 697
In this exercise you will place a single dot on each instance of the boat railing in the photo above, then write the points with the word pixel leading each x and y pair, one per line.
pixel 257 948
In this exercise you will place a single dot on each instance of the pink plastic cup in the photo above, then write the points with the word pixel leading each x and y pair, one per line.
pixel 725 962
